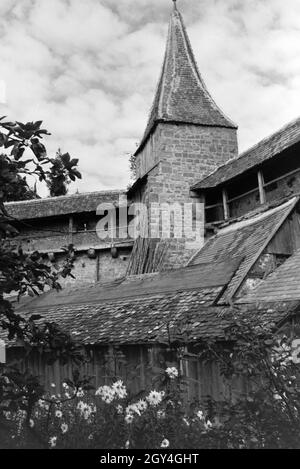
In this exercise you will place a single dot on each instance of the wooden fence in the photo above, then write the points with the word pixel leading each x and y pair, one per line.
pixel 138 366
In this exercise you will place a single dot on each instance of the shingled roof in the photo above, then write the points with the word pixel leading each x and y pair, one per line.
pixel 266 149
pixel 184 316
pixel 139 308
pixel 150 308
pixel 63 205
pixel 281 285
pixel 208 277
pixel 246 238
pixel 181 95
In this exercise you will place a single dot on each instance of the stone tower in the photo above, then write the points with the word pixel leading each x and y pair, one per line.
pixel 187 135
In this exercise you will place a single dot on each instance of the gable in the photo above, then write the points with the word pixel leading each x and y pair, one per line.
pixel 281 285
pixel 247 238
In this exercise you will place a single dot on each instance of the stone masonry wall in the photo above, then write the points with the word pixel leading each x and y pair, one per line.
pixel 185 154
pixel 103 269
pixel 52 234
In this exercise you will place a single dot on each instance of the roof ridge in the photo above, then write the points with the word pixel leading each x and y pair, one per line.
pixel 256 211
pixel 256 217
pixel 250 149
pixel 271 135
pixel 62 197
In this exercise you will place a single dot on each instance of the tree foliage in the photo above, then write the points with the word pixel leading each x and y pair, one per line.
pixel 28 273
pixel 260 363
pixel 63 171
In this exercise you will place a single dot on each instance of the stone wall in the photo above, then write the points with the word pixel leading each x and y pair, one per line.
pixel 244 204
pixel 50 235
pixel 283 188
pixel 103 268
pixel 184 154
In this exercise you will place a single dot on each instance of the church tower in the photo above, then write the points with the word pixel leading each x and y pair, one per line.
pixel 187 135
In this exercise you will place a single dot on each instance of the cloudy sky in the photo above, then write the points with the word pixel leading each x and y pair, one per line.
pixel 89 70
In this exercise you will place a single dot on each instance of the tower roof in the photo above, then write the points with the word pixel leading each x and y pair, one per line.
pixel 181 94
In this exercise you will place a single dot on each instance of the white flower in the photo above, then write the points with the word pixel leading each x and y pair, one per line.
pixel 132 408
pixel 85 409
pixel 165 443
pixel 277 397
pixel 64 427
pixel 207 425
pixel 155 397
pixel 31 423
pixel 127 444
pixel 200 415
pixel 172 372
pixel 119 389
pixel 58 414
pixel 129 418
pixel 52 441
pixel 142 405
pixel 161 414
pixel 80 392
pixel 119 409
pixel 65 386
pixel 106 393
pixel 90 437
pixel 81 405
pixel 53 385
pixel 137 407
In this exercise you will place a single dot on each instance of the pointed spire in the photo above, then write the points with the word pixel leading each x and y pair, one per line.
pixel 181 95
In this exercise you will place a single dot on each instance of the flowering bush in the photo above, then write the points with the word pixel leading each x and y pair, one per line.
pixel 110 418
pixel 266 415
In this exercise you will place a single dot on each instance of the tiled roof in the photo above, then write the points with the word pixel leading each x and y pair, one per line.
pixel 266 149
pixel 63 205
pixel 145 309
pixel 184 317
pixel 281 285
pixel 247 239
pixel 181 95
pixel 210 277
pixel 132 320
pixel 139 308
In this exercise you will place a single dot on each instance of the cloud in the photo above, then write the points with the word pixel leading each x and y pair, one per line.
pixel 89 70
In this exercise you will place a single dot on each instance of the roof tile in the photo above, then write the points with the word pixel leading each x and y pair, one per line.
pixel 181 95
pixel 62 205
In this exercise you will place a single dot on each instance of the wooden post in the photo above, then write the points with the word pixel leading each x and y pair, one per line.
pixel 225 204
pixel 202 201
pixel 262 194
pixel 70 230
pixel 2 352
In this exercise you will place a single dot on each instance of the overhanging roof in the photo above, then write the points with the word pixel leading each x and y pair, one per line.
pixel 265 150
pixel 62 205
